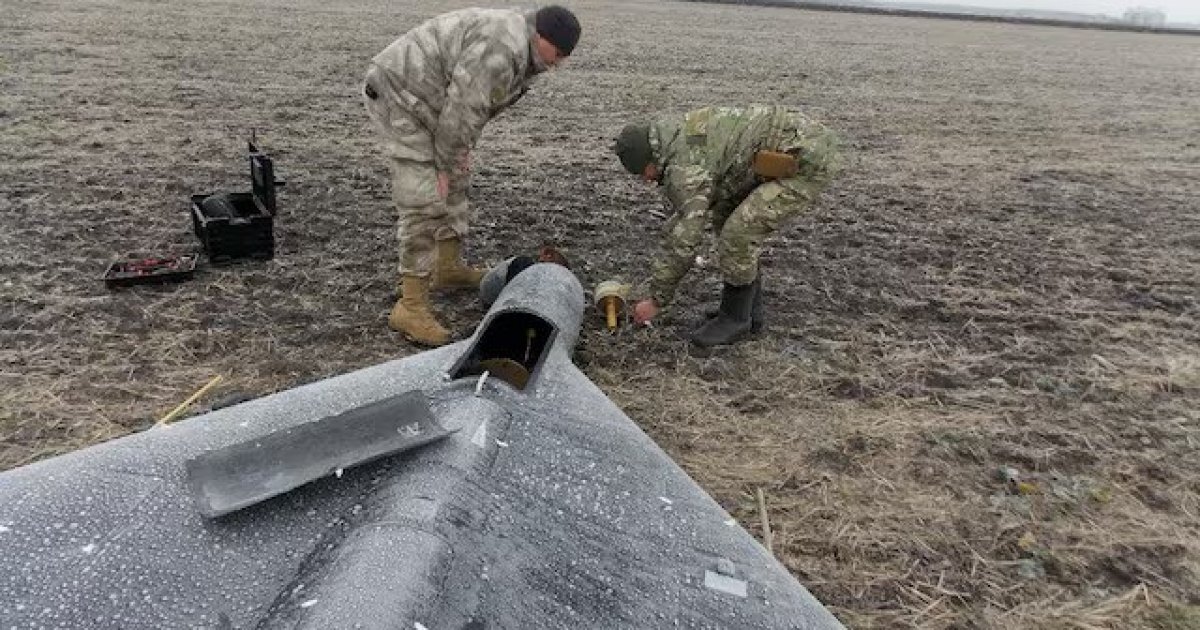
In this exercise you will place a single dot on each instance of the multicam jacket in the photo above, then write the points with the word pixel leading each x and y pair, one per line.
pixel 459 70
pixel 705 159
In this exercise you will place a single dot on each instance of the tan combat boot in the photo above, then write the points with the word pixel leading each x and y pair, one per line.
pixel 450 272
pixel 411 314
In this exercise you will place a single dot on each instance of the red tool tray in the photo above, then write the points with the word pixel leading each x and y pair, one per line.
pixel 150 270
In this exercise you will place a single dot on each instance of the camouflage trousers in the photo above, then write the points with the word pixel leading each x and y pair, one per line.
pixel 769 206
pixel 424 217
pixel 742 229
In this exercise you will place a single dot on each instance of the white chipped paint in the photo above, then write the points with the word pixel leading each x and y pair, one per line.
pixel 89 548
pixel 480 437
pixel 724 583
pixel 309 604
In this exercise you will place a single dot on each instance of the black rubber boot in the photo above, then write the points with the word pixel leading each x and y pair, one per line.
pixel 733 318
pixel 757 323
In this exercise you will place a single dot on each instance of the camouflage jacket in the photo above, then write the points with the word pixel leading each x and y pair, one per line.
pixel 459 70
pixel 705 159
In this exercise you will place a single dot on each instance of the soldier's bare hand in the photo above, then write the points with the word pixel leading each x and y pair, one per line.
pixel 645 311
pixel 464 162
pixel 443 185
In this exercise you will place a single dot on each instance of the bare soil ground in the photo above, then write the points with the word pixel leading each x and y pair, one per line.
pixel 1005 276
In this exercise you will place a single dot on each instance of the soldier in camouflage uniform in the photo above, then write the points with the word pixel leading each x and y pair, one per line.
pixel 429 95
pixel 741 171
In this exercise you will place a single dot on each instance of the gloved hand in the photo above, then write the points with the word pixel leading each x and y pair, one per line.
pixel 645 311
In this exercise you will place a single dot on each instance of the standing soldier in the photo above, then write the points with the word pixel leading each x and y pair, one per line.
pixel 429 94
pixel 744 171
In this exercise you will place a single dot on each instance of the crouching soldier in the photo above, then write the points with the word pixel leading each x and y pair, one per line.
pixel 429 95
pixel 741 171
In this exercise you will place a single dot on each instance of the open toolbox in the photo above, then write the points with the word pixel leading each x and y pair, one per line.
pixel 241 224
pixel 151 270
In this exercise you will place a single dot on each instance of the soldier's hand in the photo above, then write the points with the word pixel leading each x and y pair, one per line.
pixel 443 185
pixel 645 311
pixel 464 162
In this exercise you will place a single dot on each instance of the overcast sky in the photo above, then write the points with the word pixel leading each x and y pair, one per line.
pixel 1176 10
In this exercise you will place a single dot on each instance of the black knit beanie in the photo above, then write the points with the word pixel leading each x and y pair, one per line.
pixel 559 26
pixel 633 148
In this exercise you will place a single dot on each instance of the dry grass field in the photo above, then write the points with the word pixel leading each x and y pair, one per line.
pixel 977 404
